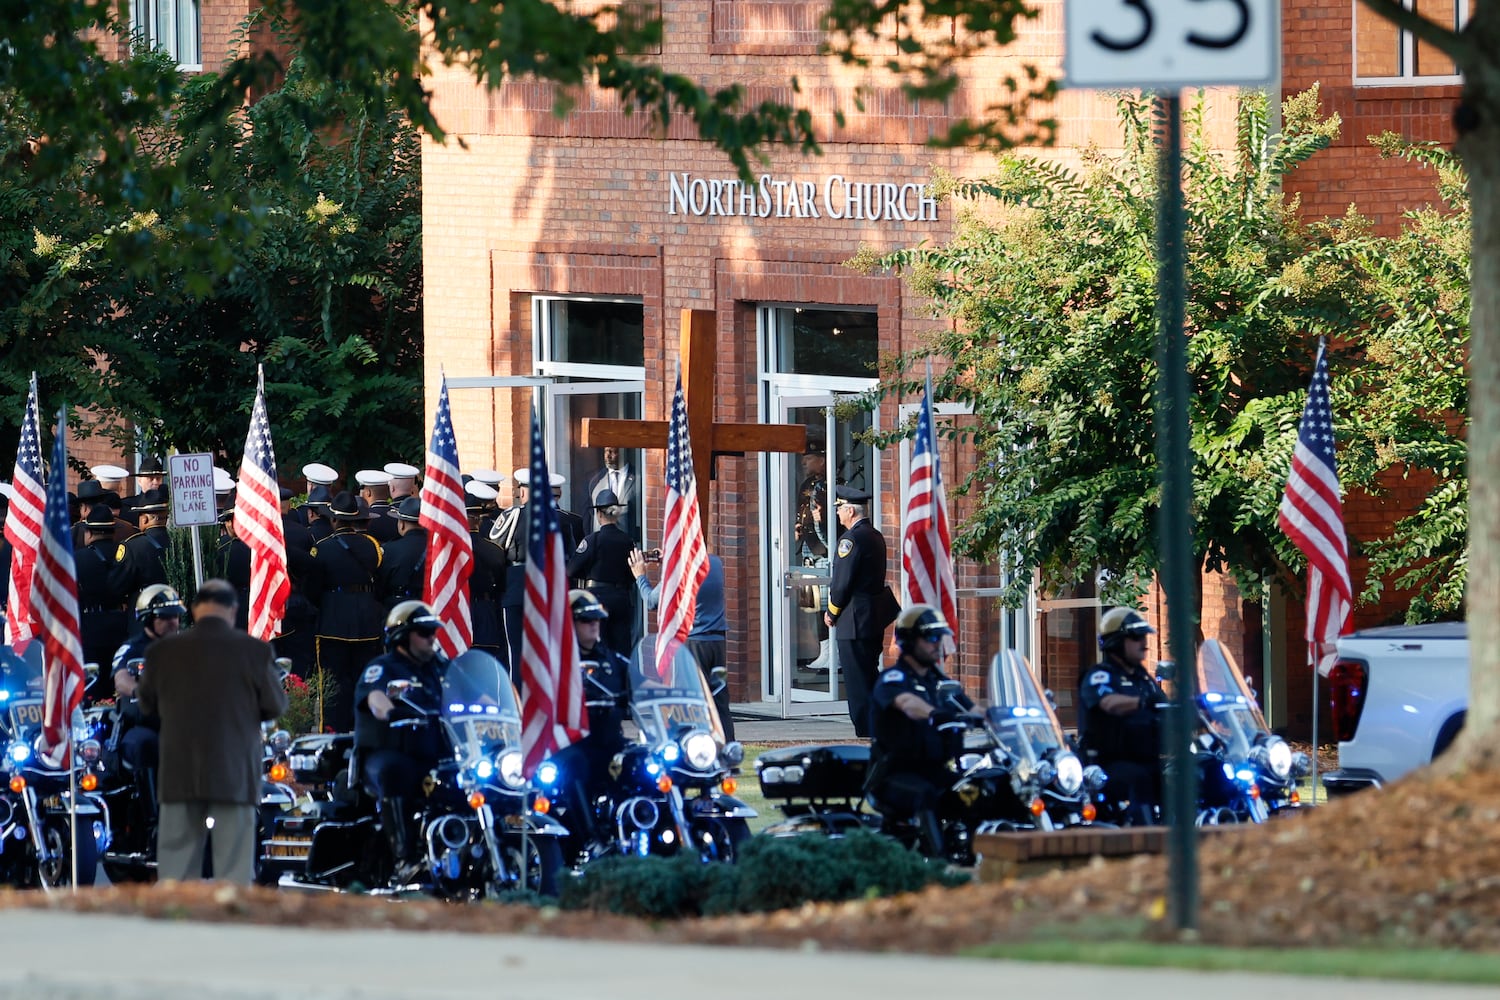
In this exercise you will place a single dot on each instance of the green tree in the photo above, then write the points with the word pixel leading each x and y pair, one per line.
pixel 1049 283
pixel 327 295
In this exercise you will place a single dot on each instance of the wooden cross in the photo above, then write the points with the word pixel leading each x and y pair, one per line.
pixel 709 439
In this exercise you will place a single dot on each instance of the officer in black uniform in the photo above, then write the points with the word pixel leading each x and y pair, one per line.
pixel 375 490
pixel 103 623
pixel 854 602
pixel 915 737
pixel 148 476
pixel 293 530
pixel 135 739
pixel 319 523
pixel 1118 729
pixel 601 562
pixel 138 560
pixel 509 533
pixel 569 524
pixel 232 563
pixel 487 579
pixel 606 692
pixel 403 563
pixel 91 493
pixel 350 615
pixel 395 749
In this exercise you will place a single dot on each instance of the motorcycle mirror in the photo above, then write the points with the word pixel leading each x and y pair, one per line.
pixel 1166 670
pixel 396 689
pixel 1051 698
pixel 949 690
pixel 91 670
pixel 718 679
pixel 283 667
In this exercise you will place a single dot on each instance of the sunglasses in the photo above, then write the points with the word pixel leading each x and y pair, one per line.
pixel 425 631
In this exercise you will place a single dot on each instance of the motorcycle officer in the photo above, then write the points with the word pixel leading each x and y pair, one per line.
pixel 135 739
pixel 913 738
pixel 1119 728
pixel 585 764
pixel 398 747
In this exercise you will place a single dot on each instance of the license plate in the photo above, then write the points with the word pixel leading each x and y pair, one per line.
pixel 304 762
pixel 26 713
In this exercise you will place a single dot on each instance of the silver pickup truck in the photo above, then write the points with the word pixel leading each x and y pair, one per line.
pixel 1399 695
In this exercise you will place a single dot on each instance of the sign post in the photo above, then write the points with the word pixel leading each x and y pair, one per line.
pixel 1166 45
pixel 192 483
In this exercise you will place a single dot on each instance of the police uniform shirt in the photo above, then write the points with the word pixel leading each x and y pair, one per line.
pixel 296 533
pixel 129 708
pixel 138 562
pixel 420 742
pixel 1133 736
pixel 95 565
pixel 605 693
pixel 604 557
pixel 858 577
pixel 401 568
pixel 906 741
pixel 347 562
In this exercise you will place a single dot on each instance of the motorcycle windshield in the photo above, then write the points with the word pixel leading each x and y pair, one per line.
pixel 480 703
pixel 1227 701
pixel 1020 714
pixel 664 705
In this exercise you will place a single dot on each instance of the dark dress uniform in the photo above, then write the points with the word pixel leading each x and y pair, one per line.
pixel 585 764
pixel 382 526
pixel 1128 747
pixel 103 621
pixel 298 639
pixel 232 563
pixel 508 534
pixel 350 618
pixel 859 566
pixel 296 533
pixel 572 529
pixel 486 583
pixel 403 568
pixel 138 563
pixel 909 759
pixel 601 562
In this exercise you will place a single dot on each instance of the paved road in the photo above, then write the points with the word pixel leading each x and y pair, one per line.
pixel 59 956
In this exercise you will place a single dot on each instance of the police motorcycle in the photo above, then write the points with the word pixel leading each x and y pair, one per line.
pixel 39 800
pixel 674 787
pixel 1245 773
pixel 483 826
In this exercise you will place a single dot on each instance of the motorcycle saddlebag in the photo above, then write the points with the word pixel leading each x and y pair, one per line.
pixel 814 772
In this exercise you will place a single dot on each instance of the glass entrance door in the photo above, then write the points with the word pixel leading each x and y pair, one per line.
pixel 805 674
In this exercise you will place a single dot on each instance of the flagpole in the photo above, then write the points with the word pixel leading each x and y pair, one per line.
pixel 73 804
pixel 1312 657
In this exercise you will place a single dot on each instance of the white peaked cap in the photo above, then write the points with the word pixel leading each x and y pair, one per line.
pixel 372 477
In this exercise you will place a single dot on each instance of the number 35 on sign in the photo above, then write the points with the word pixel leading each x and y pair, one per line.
pixel 1171 44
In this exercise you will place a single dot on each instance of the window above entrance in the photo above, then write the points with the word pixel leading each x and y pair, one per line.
pixel 1385 55
pixel 596 332
pixel 805 340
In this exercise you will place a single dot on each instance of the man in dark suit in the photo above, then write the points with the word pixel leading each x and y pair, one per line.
pixel 854 613
pixel 211 686
pixel 619 480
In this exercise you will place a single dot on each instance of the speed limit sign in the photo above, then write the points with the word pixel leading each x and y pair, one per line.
pixel 1171 44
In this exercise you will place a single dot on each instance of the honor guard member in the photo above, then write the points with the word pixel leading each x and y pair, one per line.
pixel 232 564
pixel 914 735
pixel 90 493
pixel 138 560
pixel 317 476
pixel 149 475
pixel 293 531
pixel 1118 728
pixel 569 523
pixel 854 594
pixel 375 490
pixel 134 740
pixel 223 489
pixel 508 534
pixel 350 617
pixel 403 482
pixel 393 759
pixel 103 622
pixel 403 563
pixel 319 521
pixel 487 578
pixel 491 511
pixel 112 479
pixel 606 694
pixel 601 562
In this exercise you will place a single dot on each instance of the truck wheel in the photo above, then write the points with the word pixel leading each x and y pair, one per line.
pixel 1448 734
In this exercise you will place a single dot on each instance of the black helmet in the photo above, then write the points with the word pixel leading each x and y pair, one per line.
pixel 158 600
pixel 1119 624
pixel 407 617
pixel 586 607
pixel 921 621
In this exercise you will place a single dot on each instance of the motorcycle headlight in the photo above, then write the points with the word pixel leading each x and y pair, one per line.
pixel 281 741
pixel 90 751
pixel 1095 777
pixel 18 753
pixel 1301 764
pixel 1045 772
pixel 510 766
pixel 484 770
pixel 1276 757
pixel 701 750
pixel 546 773
pixel 1069 773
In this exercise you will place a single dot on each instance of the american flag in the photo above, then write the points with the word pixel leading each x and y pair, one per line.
pixel 55 595
pixel 926 543
pixel 450 550
pixel 684 561
pixel 257 523
pixel 23 527
pixel 552 712
pixel 1312 516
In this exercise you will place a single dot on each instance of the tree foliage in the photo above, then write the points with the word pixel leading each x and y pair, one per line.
pixel 1049 286
pixel 327 293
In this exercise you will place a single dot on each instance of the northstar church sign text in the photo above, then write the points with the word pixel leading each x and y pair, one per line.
pixel 836 198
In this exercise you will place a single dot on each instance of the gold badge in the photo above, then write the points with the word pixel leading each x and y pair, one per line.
pixel 120 553
pixel 967 794
pixel 429 782
pixel 846 546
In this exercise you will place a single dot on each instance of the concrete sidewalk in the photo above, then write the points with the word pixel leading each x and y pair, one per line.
pixel 64 956
pixel 753 723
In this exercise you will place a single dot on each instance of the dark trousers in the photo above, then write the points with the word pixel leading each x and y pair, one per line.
pixel 712 653
pixel 914 795
pixel 1137 784
pixel 342 661
pixel 619 628
pixel 859 659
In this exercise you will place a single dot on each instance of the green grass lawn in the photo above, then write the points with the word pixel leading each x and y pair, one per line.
pixel 749 791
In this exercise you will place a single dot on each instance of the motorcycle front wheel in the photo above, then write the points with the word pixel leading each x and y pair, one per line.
pixel 721 837
pixel 543 863
pixel 57 869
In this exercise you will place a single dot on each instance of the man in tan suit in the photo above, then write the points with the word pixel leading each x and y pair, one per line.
pixel 211 686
